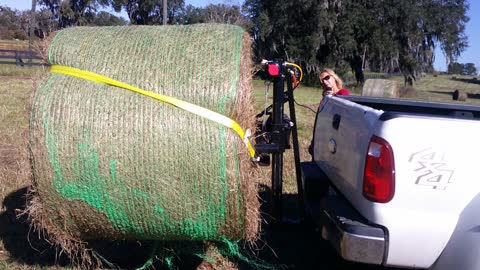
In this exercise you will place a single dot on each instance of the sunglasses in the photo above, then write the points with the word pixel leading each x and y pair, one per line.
pixel 326 78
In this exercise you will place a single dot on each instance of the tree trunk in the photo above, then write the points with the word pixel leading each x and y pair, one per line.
pixel 357 65
pixel 363 57
pixel 164 12
pixel 32 25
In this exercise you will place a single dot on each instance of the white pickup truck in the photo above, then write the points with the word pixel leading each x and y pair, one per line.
pixel 396 182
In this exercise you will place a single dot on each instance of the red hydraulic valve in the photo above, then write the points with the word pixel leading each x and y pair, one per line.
pixel 273 69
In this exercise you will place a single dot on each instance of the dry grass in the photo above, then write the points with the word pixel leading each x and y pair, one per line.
pixel 15 94
pixel 440 88
pixel 15 247
pixel 25 72
pixel 14 97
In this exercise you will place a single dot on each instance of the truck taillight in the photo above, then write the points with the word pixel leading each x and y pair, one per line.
pixel 379 174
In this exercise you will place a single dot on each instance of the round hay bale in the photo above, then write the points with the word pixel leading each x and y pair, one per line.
pixel 110 163
pixel 459 95
pixel 381 88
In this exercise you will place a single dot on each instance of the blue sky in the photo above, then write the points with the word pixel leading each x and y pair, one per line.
pixel 470 55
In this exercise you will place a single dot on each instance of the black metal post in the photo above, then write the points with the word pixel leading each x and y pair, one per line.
pixel 277 134
pixel 296 150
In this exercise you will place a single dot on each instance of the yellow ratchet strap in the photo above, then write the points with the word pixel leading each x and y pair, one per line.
pixel 195 109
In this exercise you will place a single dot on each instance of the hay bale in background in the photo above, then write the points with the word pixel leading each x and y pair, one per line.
pixel 459 95
pixel 381 88
pixel 109 163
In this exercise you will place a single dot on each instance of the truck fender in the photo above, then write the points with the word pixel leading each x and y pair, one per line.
pixel 462 250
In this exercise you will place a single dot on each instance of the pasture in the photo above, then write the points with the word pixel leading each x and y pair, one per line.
pixel 23 248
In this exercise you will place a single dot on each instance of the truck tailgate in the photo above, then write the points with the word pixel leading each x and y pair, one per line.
pixel 342 132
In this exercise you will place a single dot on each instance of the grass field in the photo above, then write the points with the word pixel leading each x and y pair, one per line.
pixel 21 249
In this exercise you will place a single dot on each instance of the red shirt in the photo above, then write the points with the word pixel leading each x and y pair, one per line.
pixel 343 92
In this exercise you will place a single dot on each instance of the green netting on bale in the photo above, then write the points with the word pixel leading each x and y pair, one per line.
pixel 109 163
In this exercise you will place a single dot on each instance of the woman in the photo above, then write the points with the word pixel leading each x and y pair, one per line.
pixel 332 84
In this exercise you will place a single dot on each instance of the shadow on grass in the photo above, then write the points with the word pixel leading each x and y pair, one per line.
pixel 446 93
pixel 24 247
pixel 475 96
pixel 290 243
pixel 285 245
pixel 296 245
pixel 450 94
pixel 473 80
pixel 28 247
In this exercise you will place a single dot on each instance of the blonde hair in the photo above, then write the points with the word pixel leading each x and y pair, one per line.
pixel 332 73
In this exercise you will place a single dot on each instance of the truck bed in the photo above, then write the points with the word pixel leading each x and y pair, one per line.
pixel 390 105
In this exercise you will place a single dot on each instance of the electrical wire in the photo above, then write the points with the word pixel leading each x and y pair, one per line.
pixel 299 69
pixel 304 106
pixel 297 83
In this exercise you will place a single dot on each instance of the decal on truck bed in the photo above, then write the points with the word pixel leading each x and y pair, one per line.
pixel 431 169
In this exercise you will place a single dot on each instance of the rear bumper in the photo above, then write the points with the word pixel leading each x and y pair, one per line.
pixel 353 239
pixel 348 232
